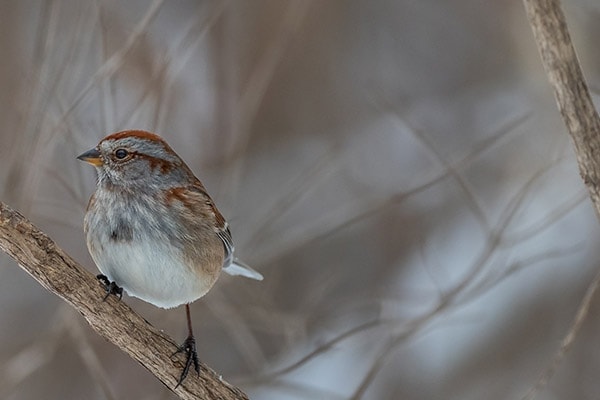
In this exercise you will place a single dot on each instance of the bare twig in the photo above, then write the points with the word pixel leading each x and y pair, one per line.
pixel 39 256
pixel 567 341
pixel 570 89
pixel 551 34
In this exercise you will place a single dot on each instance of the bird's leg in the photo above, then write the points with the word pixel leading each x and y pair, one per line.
pixel 110 287
pixel 189 348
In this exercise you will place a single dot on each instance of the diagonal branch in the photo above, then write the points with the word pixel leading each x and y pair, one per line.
pixel 570 89
pixel 572 96
pixel 55 270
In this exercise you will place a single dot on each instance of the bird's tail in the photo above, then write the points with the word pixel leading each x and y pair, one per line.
pixel 238 268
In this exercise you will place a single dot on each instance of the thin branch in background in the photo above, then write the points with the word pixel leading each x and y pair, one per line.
pixel 106 90
pixel 567 341
pixel 117 59
pixel 32 357
pixel 307 391
pixel 406 331
pixel 44 34
pixel 427 143
pixel 75 195
pixel 169 67
pixel 34 141
pixel 434 276
pixel 465 187
pixel 467 289
pixel 321 349
pixel 544 223
pixel 348 215
pixel 180 54
pixel 255 89
pixel 495 278
pixel 384 354
pixel 496 234
pixel 459 295
pixel 234 326
pixel 298 188
pixel 90 358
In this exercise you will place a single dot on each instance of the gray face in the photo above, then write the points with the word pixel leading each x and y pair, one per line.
pixel 136 163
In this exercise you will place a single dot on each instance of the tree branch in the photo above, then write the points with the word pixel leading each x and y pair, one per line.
pixel 37 254
pixel 570 89
pixel 581 119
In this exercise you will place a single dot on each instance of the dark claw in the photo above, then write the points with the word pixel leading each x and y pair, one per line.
pixel 189 348
pixel 110 287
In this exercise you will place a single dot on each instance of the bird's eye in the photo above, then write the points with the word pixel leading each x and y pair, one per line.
pixel 121 153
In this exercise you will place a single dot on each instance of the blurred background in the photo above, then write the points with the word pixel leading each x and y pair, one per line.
pixel 396 169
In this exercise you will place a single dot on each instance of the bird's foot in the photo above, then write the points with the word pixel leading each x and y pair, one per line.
pixel 110 287
pixel 189 348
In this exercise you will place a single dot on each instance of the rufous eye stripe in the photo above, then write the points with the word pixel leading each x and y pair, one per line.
pixel 164 165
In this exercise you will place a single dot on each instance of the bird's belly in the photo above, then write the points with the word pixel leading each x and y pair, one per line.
pixel 154 273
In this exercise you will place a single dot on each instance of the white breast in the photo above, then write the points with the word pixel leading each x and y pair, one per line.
pixel 152 272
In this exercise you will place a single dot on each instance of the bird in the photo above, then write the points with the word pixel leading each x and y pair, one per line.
pixel 153 230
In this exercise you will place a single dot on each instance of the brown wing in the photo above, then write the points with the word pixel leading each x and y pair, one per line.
pixel 196 199
pixel 222 230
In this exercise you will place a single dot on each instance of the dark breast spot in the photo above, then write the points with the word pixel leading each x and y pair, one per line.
pixel 121 232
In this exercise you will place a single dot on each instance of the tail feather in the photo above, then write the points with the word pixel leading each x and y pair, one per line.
pixel 238 268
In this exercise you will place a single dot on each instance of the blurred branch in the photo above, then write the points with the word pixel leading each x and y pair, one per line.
pixel 567 341
pixel 583 124
pixel 347 215
pixel 39 256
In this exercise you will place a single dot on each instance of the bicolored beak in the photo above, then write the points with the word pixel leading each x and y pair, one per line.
pixel 92 156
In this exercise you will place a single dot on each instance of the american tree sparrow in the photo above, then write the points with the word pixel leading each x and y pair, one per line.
pixel 153 230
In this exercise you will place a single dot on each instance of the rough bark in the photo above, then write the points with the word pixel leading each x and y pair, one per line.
pixel 37 254
pixel 549 27
pixel 562 67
